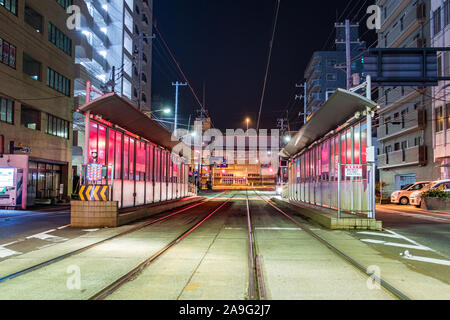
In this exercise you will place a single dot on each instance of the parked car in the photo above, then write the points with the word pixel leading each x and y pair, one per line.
pixel 402 196
pixel 415 198
pixel 407 186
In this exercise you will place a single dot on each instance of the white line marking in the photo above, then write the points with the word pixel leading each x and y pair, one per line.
pixel 429 260
pixel 7 253
pixel 380 234
pixel 48 237
pixel 281 229
pixel 90 230
pixel 401 245
pixel 404 238
pixel 63 227
pixel 9 244
pixel 229 228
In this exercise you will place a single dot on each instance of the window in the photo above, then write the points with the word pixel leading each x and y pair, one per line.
pixel 6 110
pixel 59 39
pixel 418 141
pixel 397 146
pixel 64 3
pixel 10 5
pixel 57 127
pixel 58 82
pixel 437 21
pixel 7 53
pixel 30 118
pixel 33 19
pixel 448 116
pixel 439 120
pixel 331 62
pixel 31 67
pixel 331 77
pixel 447 12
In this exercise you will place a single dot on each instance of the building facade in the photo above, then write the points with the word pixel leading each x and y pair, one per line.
pixel 440 37
pixel 113 50
pixel 326 70
pixel 405 150
pixel 36 93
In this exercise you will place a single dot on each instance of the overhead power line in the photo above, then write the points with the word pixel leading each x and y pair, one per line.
pixel 268 62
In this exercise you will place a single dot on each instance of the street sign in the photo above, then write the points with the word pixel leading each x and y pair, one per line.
pixel 403 66
pixel 354 170
pixel 94 193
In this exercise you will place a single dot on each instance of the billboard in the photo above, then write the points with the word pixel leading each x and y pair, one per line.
pixel 6 177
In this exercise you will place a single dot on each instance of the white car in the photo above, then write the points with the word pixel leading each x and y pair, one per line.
pixel 415 198
pixel 402 196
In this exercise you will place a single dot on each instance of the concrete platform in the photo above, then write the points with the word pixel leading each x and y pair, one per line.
pixel 328 218
pixel 96 214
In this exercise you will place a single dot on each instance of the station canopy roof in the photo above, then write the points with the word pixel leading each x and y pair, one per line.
pixel 339 108
pixel 119 111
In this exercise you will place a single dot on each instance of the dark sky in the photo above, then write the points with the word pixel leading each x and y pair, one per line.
pixel 225 44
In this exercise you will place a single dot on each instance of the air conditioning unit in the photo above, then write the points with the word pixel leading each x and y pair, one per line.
pixel 421 12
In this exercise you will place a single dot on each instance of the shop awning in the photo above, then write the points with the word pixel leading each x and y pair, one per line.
pixel 339 108
pixel 119 111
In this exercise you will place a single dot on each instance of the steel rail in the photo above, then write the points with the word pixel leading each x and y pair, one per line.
pixel 347 258
pixel 110 289
pixel 83 249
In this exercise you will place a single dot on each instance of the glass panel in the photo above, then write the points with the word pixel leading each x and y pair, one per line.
pixel 118 158
pixel 102 144
pixel 93 146
pixel 131 155
pixel 126 146
pixel 111 149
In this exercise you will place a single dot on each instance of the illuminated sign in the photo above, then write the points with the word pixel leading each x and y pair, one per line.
pixel 6 177
pixel 94 172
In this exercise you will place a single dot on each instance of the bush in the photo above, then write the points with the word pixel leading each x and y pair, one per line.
pixel 436 194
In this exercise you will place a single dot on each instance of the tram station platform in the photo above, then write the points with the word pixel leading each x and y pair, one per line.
pixel 329 218
pixel 95 214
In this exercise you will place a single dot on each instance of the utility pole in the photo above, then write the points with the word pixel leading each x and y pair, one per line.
pixel 348 48
pixel 305 99
pixel 177 85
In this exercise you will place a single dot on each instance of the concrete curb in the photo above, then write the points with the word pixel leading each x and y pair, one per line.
pixel 331 222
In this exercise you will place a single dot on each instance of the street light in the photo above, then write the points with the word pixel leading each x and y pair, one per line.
pixel 247 120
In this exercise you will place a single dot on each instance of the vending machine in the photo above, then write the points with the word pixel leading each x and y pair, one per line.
pixel 9 188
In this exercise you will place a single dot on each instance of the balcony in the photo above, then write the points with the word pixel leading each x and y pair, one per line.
pixel 415 156
pixel 411 122
pixel 442 149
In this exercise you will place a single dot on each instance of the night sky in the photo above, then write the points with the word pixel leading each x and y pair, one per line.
pixel 225 44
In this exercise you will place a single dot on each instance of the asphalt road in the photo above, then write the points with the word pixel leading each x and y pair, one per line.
pixel 428 228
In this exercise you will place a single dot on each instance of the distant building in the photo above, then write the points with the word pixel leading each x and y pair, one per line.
pixel 440 37
pixel 36 98
pixel 405 135
pixel 326 70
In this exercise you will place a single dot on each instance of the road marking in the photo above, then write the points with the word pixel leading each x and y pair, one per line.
pixel 281 229
pixel 380 234
pixel 7 253
pixel 63 227
pixel 9 244
pixel 47 237
pixel 400 245
pixel 90 230
pixel 429 260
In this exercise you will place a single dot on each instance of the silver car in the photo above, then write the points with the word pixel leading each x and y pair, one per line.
pixel 402 196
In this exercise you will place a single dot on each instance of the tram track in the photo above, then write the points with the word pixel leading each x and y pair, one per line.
pixel 134 273
pixel 138 227
pixel 387 286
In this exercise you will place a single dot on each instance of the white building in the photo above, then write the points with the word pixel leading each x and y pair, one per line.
pixel 440 37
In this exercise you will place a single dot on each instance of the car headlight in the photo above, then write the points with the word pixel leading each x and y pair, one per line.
pixel 395 194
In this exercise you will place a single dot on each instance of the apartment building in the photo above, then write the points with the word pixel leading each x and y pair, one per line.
pixel 113 50
pixel 326 70
pixel 405 150
pixel 440 37
pixel 36 99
